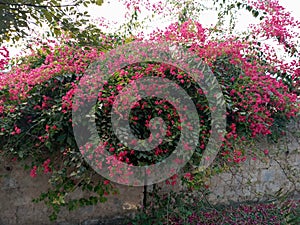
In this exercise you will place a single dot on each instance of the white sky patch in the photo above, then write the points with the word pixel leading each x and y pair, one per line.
pixel 114 12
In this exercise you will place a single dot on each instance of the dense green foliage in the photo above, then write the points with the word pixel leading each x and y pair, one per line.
pixel 36 96
pixel 18 18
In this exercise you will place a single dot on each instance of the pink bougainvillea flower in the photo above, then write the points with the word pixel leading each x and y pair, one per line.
pixel 33 172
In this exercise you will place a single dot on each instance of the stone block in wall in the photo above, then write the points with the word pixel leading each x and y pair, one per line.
pixel 259 179
pixel 18 189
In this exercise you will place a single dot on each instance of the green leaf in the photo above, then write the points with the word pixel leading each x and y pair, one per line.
pixel 255 13
pixel 48 145
pixel 99 2
pixel 53 217
pixel 102 199
pixel 48 16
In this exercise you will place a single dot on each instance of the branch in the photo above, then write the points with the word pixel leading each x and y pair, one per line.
pixel 36 6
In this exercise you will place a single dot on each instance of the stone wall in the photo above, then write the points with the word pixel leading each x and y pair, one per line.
pixel 17 189
pixel 264 178
pixel 255 179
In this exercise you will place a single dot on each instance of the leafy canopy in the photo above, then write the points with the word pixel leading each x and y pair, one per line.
pixel 19 17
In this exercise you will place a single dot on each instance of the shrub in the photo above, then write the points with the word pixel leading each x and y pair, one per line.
pixel 259 89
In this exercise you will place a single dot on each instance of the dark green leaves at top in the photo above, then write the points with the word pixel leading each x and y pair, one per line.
pixel 18 18
pixel 255 13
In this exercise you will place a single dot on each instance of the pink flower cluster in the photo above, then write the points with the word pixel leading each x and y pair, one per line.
pixel 247 78
pixel 45 166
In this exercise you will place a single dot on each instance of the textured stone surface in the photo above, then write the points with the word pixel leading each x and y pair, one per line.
pixel 18 189
pixel 254 180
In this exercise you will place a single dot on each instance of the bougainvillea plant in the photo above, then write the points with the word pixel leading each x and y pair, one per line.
pixel 260 91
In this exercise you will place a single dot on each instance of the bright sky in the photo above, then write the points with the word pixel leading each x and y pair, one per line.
pixel 114 11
